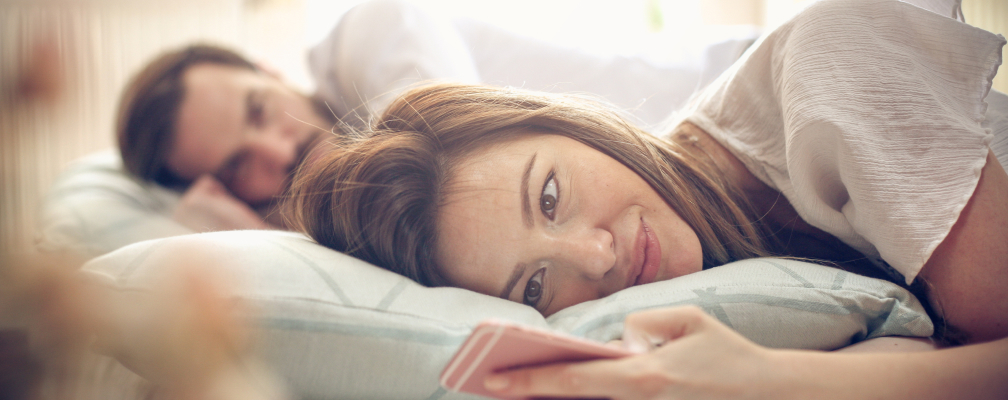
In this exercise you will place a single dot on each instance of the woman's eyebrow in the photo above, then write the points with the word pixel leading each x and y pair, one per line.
pixel 524 193
pixel 519 270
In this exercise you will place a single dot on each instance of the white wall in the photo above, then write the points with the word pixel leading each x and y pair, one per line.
pixel 991 15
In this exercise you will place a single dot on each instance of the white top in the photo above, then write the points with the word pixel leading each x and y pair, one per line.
pixel 869 116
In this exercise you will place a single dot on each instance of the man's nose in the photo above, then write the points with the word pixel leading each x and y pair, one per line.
pixel 276 147
pixel 590 251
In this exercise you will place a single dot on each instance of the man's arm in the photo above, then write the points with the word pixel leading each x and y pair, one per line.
pixel 207 206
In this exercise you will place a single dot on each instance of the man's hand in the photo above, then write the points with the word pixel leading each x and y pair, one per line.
pixel 208 206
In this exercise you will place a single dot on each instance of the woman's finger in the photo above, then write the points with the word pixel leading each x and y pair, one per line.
pixel 643 331
pixel 591 379
pixel 698 357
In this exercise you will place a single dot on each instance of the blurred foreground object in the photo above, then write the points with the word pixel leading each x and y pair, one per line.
pixel 186 335
pixel 41 320
pixel 41 79
pixel 51 320
pixel 59 331
pixel 48 322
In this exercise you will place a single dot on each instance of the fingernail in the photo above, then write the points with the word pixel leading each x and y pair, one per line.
pixel 639 342
pixel 637 347
pixel 496 382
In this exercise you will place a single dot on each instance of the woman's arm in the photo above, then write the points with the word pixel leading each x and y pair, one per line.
pixel 967 275
pixel 700 358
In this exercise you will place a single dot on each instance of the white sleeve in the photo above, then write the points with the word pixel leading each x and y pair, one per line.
pixel 380 48
pixel 881 106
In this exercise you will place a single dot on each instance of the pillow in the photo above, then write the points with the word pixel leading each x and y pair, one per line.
pixel 336 327
pixel 95 206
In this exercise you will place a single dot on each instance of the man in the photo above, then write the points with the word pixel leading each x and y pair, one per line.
pixel 206 120
pixel 208 141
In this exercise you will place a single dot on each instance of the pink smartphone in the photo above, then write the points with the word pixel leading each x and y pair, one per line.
pixel 496 345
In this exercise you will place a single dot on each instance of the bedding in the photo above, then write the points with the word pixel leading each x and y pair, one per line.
pixel 379 48
pixel 335 327
pixel 95 207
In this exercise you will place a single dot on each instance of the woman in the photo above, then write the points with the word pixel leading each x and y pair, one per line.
pixel 552 201
pixel 412 179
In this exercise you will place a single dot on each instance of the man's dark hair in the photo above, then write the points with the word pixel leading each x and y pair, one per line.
pixel 149 108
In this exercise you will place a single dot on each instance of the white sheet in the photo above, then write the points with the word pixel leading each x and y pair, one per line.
pixel 381 47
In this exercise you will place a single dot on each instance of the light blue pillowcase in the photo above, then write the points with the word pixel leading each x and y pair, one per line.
pixel 336 327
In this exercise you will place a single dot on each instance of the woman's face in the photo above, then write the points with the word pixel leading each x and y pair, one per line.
pixel 547 221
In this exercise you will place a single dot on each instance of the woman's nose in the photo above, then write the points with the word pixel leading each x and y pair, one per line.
pixel 589 251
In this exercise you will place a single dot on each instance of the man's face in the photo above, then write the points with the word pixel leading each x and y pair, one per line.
pixel 246 128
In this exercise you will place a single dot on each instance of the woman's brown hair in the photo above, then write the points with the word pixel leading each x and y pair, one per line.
pixel 377 197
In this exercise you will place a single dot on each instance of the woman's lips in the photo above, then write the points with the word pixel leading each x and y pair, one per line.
pixel 651 257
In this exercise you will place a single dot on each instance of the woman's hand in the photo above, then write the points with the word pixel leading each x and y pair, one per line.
pixel 689 355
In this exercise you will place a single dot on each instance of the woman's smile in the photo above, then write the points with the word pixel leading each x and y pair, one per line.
pixel 650 256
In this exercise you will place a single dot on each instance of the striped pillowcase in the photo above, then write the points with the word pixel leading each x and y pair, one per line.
pixel 336 327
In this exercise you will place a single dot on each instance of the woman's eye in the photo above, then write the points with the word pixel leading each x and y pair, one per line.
pixel 534 288
pixel 548 200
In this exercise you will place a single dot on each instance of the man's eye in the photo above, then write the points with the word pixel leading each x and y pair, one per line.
pixel 549 198
pixel 534 288
pixel 226 177
pixel 257 110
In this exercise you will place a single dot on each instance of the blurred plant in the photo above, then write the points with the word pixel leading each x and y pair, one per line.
pixel 44 323
pixel 53 321
pixel 187 336
pixel 197 347
pixel 40 76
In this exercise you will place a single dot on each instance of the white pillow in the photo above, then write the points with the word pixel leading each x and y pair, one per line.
pixel 336 327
